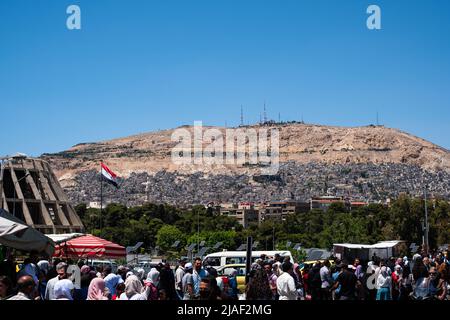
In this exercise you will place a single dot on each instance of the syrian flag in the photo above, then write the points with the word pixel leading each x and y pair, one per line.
pixel 110 176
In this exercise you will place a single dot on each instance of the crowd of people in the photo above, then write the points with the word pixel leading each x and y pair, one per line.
pixel 270 278
pixel 422 278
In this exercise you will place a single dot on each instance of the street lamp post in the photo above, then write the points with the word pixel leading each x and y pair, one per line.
pixel 198 230
pixel 426 240
pixel 14 203
pixel 273 235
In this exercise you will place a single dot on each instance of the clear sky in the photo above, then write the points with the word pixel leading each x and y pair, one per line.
pixel 138 66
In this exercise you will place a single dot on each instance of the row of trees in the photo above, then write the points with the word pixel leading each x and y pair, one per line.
pixel 161 225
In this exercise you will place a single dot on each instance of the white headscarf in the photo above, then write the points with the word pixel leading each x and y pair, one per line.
pixel 140 273
pixel 133 286
pixel 43 266
pixel 153 276
pixel 63 289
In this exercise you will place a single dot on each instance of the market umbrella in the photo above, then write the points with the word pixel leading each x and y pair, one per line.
pixel 89 246
pixel 23 237
pixel 8 227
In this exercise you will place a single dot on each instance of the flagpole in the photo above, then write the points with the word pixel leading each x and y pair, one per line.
pixel 101 197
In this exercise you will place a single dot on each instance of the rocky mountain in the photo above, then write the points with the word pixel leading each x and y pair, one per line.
pixel 366 162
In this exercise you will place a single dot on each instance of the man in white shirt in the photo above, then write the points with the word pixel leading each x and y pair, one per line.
pixel 179 274
pixel 327 281
pixel 285 283
pixel 187 282
pixel 277 265
pixel 61 269
pixel 198 274
pixel 26 288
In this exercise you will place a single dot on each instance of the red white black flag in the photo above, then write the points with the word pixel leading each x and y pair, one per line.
pixel 110 176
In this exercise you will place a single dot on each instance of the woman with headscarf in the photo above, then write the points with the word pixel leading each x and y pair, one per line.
pixel 63 289
pixel 314 281
pixel 140 274
pixel 258 287
pixel 43 269
pixel 397 281
pixel 97 290
pixel 384 282
pixel 134 289
pixel 167 282
pixel 85 280
pixel 232 283
pixel 298 279
pixel 419 279
pixel 152 282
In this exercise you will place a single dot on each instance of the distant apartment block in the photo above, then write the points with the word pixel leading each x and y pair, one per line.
pixel 324 202
pixel 248 212
pixel 279 210
pixel 96 205
pixel 243 212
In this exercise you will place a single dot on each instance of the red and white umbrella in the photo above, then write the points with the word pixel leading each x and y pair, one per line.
pixel 89 246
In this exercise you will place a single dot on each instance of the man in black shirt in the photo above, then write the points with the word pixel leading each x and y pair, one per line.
pixel 348 282
pixel 314 282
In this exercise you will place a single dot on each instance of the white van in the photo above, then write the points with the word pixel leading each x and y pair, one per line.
pixel 103 263
pixel 219 259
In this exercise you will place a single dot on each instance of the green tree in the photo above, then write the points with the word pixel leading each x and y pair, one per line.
pixel 81 209
pixel 167 235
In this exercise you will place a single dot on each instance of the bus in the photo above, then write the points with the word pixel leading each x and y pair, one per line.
pixel 219 259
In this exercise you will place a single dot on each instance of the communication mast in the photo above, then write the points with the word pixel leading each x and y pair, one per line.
pixel 265 113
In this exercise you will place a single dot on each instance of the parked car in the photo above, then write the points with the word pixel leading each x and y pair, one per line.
pixel 223 258
pixel 226 270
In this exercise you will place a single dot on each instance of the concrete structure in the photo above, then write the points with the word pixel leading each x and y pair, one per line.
pixel 357 204
pixel 244 212
pixel 279 210
pixel 324 202
pixel 96 205
pixel 30 190
pixel 247 212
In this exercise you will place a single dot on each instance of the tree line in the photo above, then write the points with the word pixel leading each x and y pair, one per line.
pixel 160 226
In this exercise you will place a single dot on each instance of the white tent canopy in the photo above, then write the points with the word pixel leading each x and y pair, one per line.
pixel 384 249
pixel 63 237
pixel 27 239
pixel 379 245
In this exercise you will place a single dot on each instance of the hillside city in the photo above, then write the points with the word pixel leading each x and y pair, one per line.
pixel 366 183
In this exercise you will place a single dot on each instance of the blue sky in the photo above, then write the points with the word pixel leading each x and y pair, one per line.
pixel 138 66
